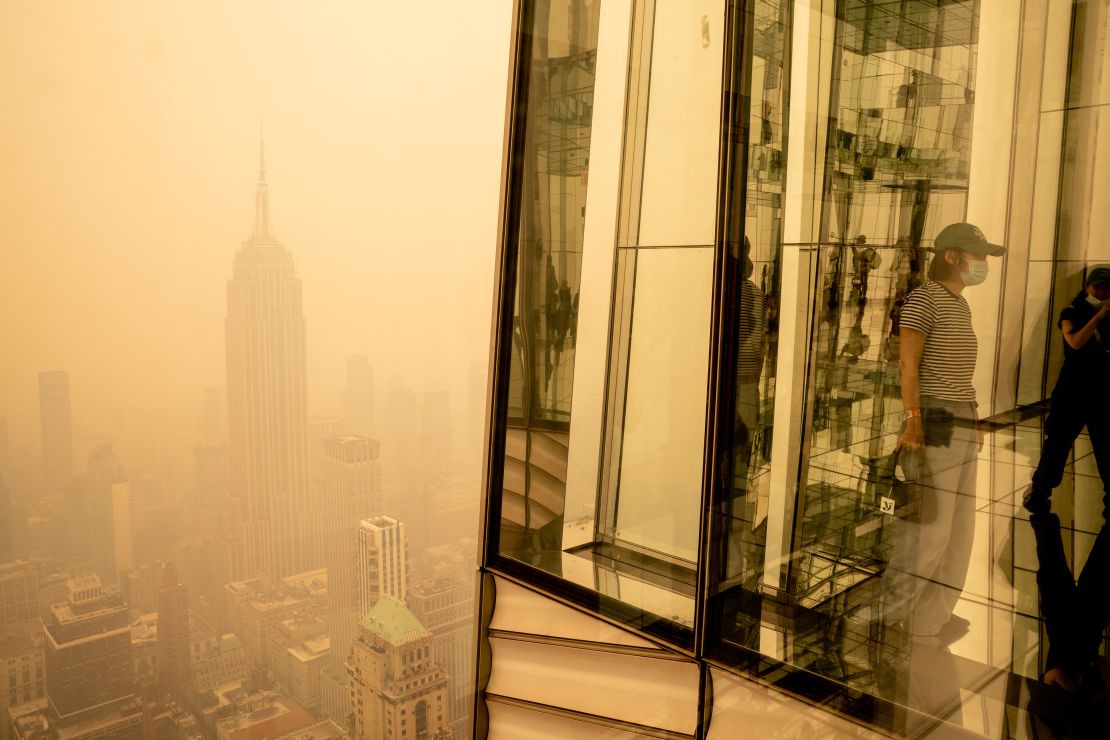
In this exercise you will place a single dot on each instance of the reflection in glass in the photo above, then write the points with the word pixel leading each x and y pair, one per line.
pixel 758 122
pixel 897 168
pixel 560 53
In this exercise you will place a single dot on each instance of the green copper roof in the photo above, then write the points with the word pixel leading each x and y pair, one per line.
pixel 392 620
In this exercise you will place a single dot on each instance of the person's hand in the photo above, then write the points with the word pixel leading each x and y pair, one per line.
pixel 913 436
pixel 1103 310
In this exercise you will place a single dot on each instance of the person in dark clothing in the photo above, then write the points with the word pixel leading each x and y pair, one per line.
pixel 1081 397
pixel 1075 613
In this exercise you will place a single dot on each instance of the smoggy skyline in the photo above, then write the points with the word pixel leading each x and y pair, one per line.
pixel 131 159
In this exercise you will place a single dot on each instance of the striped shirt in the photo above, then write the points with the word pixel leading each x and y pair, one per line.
pixel 948 358
pixel 751 322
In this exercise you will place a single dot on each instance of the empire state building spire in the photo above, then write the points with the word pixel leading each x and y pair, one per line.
pixel 269 521
pixel 262 229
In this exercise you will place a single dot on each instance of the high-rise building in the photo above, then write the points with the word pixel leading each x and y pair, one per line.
pixel 319 429
pixel 211 466
pixel 445 606
pixel 352 491
pixel 7 528
pixel 22 668
pixel 19 592
pixel 381 561
pixel 57 432
pixel 88 650
pixel 106 516
pixel 269 506
pixel 358 398
pixel 397 688
pixel 173 634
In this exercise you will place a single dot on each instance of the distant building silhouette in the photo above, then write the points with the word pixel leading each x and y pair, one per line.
pixel 57 432
pixel 105 516
pixel 173 635
pixel 270 527
pixel 358 399
pixel 7 523
pixel 19 592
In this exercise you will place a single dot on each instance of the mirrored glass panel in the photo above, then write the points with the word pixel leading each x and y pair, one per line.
pixel 550 167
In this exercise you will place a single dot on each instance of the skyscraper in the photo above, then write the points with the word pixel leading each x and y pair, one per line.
pixel 270 526
pixel 88 650
pixel 445 607
pixel 57 432
pixel 173 634
pixel 397 688
pixel 382 567
pixel 7 544
pixel 352 491
pixel 105 515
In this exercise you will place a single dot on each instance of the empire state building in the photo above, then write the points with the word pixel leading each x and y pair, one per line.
pixel 267 525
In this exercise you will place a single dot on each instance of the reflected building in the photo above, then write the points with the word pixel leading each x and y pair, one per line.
pixel 697 487
pixel 268 519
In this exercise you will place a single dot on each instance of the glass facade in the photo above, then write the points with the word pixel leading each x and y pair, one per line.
pixel 798 448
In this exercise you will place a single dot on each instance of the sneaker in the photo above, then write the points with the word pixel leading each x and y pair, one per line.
pixel 1037 500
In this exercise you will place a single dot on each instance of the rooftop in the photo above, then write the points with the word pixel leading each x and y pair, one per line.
pixel 311 649
pixel 392 621
pixel 326 730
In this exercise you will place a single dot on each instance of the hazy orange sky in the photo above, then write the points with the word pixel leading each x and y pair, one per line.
pixel 129 150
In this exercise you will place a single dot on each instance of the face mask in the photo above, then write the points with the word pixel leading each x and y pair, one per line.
pixel 976 272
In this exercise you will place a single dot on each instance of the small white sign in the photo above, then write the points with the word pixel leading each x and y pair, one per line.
pixel 886 505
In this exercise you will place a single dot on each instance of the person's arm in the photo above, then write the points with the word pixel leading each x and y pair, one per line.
pixel 1076 339
pixel 909 364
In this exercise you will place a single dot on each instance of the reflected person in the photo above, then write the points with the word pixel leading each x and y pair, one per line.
pixel 931 552
pixel 751 323
pixel 751 329
pixel 1075 614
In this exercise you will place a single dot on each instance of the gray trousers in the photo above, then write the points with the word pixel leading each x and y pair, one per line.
pixel 928 566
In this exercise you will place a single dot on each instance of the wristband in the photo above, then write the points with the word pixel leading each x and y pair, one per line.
pixel 911 413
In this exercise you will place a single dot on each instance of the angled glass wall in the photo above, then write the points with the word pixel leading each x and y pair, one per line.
pixel 772 468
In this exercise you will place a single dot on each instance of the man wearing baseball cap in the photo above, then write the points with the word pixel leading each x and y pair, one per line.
pixel 1075 615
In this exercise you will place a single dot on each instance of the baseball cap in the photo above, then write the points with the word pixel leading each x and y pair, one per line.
pixel 1098 274
pixel 967 237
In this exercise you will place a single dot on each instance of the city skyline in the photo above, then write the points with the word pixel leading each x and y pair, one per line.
pixel 160 231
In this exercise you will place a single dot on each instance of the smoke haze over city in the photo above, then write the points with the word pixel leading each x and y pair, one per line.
pixel 248 257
